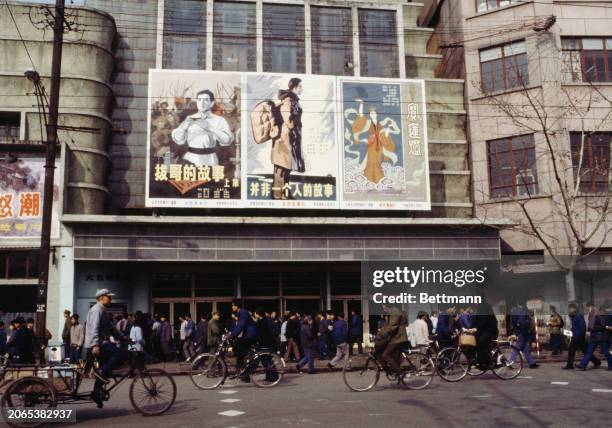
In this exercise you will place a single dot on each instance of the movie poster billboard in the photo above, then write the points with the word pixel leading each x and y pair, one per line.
pixel 194 139
pixel 384 141
pixel 291 142
pixel 21 198
pixel 266 140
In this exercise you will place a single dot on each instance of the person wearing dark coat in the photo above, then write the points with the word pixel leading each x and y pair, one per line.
pixel 356 332
pixel 524 329
pixel 244 333
pixel 446 327
pixel 309 343
pixel 578 340
pixel 323 334
pixel 292 334
pixel 484 326
pixel 165 338
pixel 3 339
pixel 201 335
pixel 599 329
pixel 214 332
pixel 21 345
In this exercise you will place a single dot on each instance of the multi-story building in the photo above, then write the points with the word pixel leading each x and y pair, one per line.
pixel 538 99
pixel 178 260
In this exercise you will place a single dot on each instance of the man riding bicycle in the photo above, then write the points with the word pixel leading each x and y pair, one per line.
pixel 98 332
pixel 388 342
pixel 244 335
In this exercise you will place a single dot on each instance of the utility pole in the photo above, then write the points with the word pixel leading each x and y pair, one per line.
pixel 51 150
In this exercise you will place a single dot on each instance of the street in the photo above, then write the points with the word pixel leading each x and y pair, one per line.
pixel 547 396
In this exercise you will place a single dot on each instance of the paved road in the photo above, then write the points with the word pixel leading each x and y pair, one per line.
pixel 546 396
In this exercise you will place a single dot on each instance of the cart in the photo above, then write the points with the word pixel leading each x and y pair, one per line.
pixel 34 390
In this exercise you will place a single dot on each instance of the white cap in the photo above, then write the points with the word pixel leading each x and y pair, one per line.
pixel 104 292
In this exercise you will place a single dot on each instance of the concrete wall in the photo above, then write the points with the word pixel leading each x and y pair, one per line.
pixel 86 96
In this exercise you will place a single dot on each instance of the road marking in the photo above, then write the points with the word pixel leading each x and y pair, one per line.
pixel 230 400
pixel 525 377
pixel 522 407
pixel 352 401
pixel 601 390
pixel 481 396
pixel 559 383
pixel 228 391
pixel 231 413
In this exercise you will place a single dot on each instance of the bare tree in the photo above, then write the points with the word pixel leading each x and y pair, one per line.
pixel 577 172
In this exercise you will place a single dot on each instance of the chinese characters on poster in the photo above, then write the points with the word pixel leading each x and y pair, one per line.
pixel 261 140
pixel 21 198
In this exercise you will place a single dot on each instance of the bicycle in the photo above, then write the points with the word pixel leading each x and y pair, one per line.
pixel 152 391
pixel 263 366
pixel 416 371
pixel 455 363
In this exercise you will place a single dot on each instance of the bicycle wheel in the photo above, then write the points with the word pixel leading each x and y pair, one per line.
pixel 417 370
pixel 28 393
pixel 361 373
pixel 452 364
pixel 267 369
pixel 152 392
pixel 208 371
pixel 507 362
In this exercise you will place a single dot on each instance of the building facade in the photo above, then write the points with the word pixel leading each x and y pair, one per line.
pixel 538 99
pixel 177 260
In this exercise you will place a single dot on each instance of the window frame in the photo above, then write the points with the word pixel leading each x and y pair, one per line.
pixel 589 152
pixel 582 53
pixel 183 34
pixel 498 5
pixel 504 58
pixel 513 166
pixel 244 38
pixel 208 30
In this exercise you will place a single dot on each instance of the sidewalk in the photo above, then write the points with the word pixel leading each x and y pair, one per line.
pixel 182 368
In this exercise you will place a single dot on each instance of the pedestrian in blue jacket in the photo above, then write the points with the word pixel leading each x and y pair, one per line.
pixel 244 334
pixel 340 336
pixel 523 329
pixel 578 341
pixel 356 332
pixel 599 329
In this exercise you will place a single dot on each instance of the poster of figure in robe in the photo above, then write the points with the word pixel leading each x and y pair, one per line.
pixel 384 140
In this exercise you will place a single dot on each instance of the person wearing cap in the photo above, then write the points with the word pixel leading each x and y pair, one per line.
pixel 98 331
pixel 21 346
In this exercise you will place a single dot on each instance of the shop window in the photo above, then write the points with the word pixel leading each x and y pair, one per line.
pixel 484 5
pixel 332 41
pixel 283 38
pixel 10 124
pixel 512 167
pixel 259 284
pixel 234 36
pixel 379 55
pixel 587 59
pixel 345 283
pixel 302 283
pixel 215 284
pixel 184 34
pixel 591 160
pixel 19 264
pixel 504 67
pixel 170 285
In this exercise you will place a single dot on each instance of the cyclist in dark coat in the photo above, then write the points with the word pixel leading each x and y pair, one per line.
pixel 485 327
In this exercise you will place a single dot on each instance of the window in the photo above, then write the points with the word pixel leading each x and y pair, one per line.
pixel 184 34
pixel 504 67
pixel 234 37
pixel 10 123
pixel 378 43
pixel 591 160
pixel 283 38
pixel 512 167
pixel 587 59
pixel 332 41
pixel 484 5
pixel 18 264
